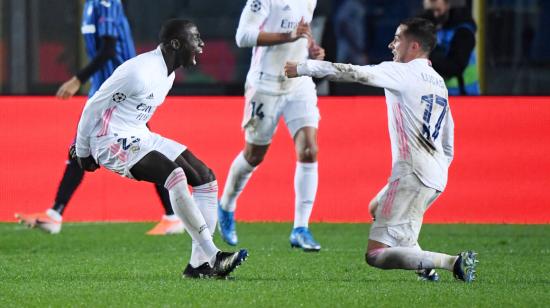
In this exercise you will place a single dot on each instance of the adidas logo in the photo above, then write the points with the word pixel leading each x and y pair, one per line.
pixel 286 8
pixel 150 96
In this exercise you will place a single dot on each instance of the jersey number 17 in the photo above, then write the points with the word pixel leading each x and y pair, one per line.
pixel 429 100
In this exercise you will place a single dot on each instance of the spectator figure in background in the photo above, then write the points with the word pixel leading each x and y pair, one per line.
pixel 278 31
pixel 349 30
pixel 421 134
pixel 109 43
pixel 454 56
pixel 112 133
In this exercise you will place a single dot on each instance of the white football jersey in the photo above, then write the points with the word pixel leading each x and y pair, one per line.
pixel 266 72
pixel 419 116
pixel 125 101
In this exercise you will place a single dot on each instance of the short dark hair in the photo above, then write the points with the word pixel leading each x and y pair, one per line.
pixel 172 29
pixel 421 30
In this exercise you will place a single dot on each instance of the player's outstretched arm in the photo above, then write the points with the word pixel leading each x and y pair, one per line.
pixel 387 75
pixel 321 69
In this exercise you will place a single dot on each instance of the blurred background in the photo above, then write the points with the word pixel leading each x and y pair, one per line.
pixel 41 45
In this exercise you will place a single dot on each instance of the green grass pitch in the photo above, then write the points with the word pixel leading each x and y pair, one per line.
pixel 108 264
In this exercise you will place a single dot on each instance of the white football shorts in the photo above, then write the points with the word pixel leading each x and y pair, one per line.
pixel 400 208
pixel 262 112
pixel 120 152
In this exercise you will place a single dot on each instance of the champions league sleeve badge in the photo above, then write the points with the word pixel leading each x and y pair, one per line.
pixel 119 97
pixel 256 6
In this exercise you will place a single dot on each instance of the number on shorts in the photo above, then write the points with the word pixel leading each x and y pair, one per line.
pixel 125 144
pixel 257 111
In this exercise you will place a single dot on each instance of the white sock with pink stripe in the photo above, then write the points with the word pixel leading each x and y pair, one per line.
pixel 187 210
pixel 305 189
pixel 206 198
pixel 409 258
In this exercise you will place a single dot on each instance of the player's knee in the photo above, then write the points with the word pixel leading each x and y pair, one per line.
pixel 371 257
pixel 210 176
pixel 308 154
pixel 253 159
pixel 203 176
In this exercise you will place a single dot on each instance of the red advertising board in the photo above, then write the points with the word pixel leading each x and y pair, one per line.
pixel 500 173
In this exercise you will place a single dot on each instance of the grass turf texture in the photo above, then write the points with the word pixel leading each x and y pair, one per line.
pixel 107 264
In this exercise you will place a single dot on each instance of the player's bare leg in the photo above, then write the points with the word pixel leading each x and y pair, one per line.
pixel 305 188
pixel 239 173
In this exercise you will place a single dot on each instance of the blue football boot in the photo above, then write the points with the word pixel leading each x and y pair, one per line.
pixel 301 238
pixel 226 226
pixel 465 266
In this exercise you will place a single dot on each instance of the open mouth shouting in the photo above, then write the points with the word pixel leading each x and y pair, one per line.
pixel 194 54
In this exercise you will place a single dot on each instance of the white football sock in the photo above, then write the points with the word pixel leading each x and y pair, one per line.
pixel 206 198
pixel 305 188
pixel 239 174
pixel 188 212
pixel 409 258
pixel 172 217
pixel 53 214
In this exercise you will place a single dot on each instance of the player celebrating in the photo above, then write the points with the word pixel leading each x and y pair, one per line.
pixel 109 43
pixel 278 31
pixel 421 135
pixel 112 132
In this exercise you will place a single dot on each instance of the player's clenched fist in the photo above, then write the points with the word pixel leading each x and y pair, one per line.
pixel 302 30
pixel 291 69
pixel 86 163
pixel 315 51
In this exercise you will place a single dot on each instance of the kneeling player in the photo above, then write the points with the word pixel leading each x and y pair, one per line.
pixel 421 133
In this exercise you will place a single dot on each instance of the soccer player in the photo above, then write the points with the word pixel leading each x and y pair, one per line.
pixel 421 135
pixel 278 31
pixel 112 133
pixel 109 43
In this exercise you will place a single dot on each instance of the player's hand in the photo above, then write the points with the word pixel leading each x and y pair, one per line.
pixel 72 152
pixel 87 163
pixel 316 52
pixel 291 69
pixel 68 89
pixel 373 205
pixel 303 30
